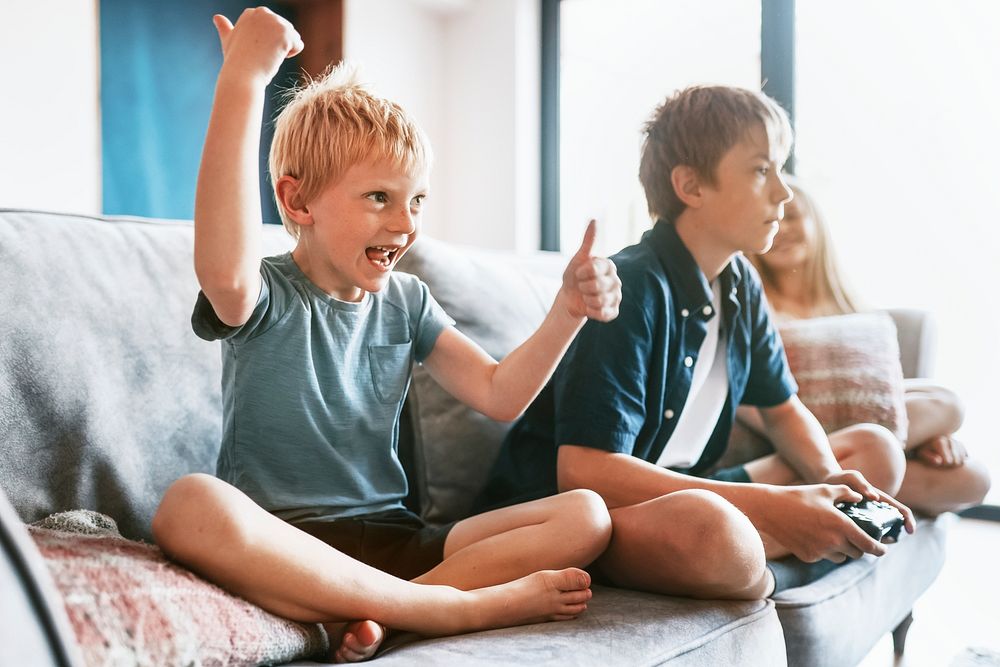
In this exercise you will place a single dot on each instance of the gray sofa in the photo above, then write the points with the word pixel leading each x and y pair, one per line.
pixel 106 396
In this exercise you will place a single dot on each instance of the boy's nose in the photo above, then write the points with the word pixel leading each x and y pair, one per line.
pixel 405 222
pixel 784 192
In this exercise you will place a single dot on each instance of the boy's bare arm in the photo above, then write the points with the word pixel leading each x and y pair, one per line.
pixel 502 391
pixel 227 204
pixel 803 519
pixel 799 439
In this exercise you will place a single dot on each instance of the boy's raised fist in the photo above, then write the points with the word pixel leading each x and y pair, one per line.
pixel 258 43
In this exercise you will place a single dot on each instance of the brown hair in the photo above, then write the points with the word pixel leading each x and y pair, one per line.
pixel 695 127
pixel 332 123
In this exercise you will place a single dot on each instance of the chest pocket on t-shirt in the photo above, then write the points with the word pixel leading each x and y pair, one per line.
pixel 390 370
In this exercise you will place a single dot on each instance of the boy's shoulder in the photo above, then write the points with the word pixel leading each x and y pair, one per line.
pixel 404 291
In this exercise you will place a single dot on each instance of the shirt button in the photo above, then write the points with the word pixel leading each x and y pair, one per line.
pixel 669 414
pixel 684 312
pixel 706 311
pixel 689 362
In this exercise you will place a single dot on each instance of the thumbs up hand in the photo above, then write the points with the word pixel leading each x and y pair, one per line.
pixel 591 287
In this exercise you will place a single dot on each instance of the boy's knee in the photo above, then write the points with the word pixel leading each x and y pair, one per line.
pixel 717 544
pixel 186 505
pixel 589 515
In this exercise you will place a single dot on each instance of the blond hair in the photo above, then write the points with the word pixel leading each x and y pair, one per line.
pixel 331 123
pixel 695 127
pixel 826 287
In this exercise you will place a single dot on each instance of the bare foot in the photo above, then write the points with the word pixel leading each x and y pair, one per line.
pixel 358 640
pixel 548 595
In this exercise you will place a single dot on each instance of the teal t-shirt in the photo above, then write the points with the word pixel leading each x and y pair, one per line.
pixel 312 388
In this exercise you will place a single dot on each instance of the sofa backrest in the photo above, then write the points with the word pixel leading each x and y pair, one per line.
pixel 106 395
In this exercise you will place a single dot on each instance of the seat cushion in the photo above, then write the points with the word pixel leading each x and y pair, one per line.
pixel 619 628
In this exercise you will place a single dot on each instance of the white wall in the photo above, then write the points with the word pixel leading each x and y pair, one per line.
pixel 50 139
pixel 469 72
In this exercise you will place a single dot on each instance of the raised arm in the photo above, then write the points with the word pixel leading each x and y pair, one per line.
pixel 503 390
pixel 227 204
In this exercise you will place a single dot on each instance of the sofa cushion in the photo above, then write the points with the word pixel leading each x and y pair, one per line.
pixel 848 371
pixel 620 627
pixel 128 605
pixel 106 395
pixel 497 300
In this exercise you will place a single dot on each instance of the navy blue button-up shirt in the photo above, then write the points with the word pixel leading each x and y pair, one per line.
pixel 623 384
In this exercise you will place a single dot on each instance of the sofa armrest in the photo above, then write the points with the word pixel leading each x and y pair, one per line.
pixel 34 628
pixel 915 331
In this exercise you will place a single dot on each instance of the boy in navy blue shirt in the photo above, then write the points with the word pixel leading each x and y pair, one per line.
pixel 640 408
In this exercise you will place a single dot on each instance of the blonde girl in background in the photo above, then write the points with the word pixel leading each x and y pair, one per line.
pixel 802 279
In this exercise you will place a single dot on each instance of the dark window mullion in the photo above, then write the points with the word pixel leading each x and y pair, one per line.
pixel 777 57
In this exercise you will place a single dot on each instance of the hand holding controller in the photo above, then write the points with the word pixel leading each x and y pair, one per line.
pixel 880 520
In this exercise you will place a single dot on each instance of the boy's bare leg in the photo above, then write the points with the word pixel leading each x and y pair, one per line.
pixel 871 450
pixel 692 543
pixel 567 530
pixel 217 531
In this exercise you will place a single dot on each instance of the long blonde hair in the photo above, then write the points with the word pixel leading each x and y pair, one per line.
pixel 825 281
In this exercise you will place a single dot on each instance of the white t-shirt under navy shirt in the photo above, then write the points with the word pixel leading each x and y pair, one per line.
pixel 312 389
pixel 707 396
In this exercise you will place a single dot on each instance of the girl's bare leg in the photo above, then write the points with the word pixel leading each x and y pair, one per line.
pixel 931 411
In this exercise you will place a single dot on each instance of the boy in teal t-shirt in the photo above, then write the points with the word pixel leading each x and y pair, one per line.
pixel 307 520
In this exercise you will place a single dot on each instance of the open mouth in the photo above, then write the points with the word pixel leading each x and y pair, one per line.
pixel 382 256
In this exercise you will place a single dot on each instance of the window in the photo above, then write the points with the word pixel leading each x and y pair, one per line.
pixel 618 61
pixel 899 146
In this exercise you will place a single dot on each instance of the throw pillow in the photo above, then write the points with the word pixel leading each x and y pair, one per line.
pixel 497 300
pixel 129 605
pixel 848 371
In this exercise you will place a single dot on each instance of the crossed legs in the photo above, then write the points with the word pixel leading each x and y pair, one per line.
pixel 485 581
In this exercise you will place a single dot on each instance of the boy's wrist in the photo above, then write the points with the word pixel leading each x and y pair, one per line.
pixel 238 79
pixel 566 306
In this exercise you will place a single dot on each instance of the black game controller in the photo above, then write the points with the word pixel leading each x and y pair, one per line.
pixel 880 520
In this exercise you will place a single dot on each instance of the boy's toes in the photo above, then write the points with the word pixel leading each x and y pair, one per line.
pixel 573 579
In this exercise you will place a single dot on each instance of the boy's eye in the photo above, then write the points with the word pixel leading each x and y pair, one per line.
pixel 763 171
pixel 417 201
pixel 378 197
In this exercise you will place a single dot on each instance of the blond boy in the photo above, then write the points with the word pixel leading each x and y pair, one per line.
pixel 307 519
pixel 640 408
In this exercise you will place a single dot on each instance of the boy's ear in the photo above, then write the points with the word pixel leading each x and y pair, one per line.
pixel 287 194
pixel 687 184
